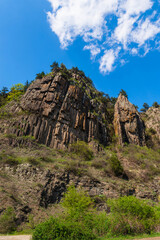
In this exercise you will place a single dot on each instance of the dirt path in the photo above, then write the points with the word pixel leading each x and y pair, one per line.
pixel 153 238
pixel 18 237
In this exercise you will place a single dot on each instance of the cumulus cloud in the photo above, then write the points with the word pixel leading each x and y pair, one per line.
pixel 110 29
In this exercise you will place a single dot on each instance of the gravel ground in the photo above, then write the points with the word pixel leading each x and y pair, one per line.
pixel 19 237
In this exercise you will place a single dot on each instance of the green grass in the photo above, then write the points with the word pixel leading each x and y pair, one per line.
pixel 131 237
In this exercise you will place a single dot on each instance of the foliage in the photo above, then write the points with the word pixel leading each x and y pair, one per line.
pixel 54 66
pixel 77 204
pixel 54 229
pixel 16 92
pixel 130 215
pixel 76 222
pixel 116 165
pixel 7 221
pixel 156 105
pixel 122 92
pixel 145 107
pixel 40 75
pixel 82 149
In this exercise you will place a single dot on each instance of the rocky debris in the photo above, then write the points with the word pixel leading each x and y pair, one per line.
pixel 60 113
pixel 128 125
pixel 153 120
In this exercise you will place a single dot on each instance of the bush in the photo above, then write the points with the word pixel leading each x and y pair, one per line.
pixel 77 204
pixel 115 165
pixel 130 215
pixel 54 229
pixel 80 220
pixel 7 221
pixel 82 149
pixel 76 223
pixel 16 92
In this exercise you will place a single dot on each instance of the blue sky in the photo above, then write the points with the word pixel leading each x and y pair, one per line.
pixel 117 48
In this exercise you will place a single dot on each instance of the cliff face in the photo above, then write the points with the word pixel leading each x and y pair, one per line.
pixel 153 120
pixel 128 125
pixel 62 110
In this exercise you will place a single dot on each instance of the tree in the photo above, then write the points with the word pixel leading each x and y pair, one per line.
pixel 75 70
pixel 63 66
pixel 155 104
pixel 16 92
pixel 26 85
pixel 40 75
pixel 136 107
pixel 122 92
pixel 4 91
pixel 54 66
pixel 113 100
pixel 145 107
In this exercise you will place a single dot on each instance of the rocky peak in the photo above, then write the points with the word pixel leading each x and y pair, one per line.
pixel 128 125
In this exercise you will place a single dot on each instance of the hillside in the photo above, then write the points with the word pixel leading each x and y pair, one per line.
pixel 63 131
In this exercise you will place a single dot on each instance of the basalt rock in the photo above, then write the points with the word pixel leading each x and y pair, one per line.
pixel 128 125
pixel 152 121
pixel 61 110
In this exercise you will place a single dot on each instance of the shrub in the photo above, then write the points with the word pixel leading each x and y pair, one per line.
pixel 115 165
pixel 82 149
pixel 130 215
pixel 16 92
pixel 7 221
pixel 77 204
pixel 54 229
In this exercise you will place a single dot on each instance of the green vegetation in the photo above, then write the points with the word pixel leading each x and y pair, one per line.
pixel 82 149
pixel 122 92
pixel 80 219
pixel 7 221
pixel 145 107
pixel 130 215
pixel 54 66
pixel 156 105
pixel 40 75
pixel 115 165
pixel 16 92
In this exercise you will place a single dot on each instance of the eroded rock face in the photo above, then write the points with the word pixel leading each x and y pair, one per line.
pixel 60 113
pixel 153 120
pixel 128 125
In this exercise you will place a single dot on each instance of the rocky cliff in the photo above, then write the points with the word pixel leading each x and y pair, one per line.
pixel 64 107
pixel 61 110
pixel 153 121
pixel 128 125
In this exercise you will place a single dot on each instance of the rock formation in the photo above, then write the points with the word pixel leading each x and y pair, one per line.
pixel 61 110
pixel 128 125
pixel 153 120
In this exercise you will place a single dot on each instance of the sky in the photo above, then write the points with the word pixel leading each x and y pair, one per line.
pixel 115 42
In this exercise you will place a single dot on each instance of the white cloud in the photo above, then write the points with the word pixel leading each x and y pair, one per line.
pixel 128 27
pixel 93 49
pixel 107 60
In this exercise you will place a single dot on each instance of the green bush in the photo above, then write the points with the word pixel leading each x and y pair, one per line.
pixel 54 229
pixel 130 215
pixel 77 204
pixel 7 221
pixel 80 220
pixel 76 223
pixel 16 92
pixel 115 165
pixel 82 149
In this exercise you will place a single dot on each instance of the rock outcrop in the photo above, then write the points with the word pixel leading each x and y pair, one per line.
pixel 128 125
pixel 153 120
pixel 61 110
